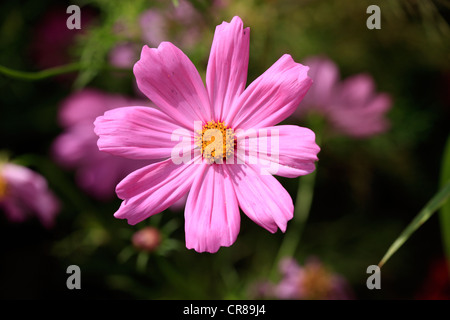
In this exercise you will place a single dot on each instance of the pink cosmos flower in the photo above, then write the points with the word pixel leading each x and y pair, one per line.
pixel 222 181
pixel 351 106
pixel 76 148
pixel 24 193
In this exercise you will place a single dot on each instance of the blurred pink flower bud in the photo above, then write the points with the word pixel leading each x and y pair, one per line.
pixel 147 239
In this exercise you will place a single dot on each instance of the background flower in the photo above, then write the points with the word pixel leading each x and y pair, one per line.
pixel 25 193
pixel 310 281
pixel 76 148
pixel 351 106
pixel 181 24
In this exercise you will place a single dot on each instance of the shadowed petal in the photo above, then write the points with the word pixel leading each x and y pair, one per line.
pixel 262 198
pixel 153 189
pixel 212 217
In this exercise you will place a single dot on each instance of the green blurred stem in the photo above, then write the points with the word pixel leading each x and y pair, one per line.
pixel 303 202
pixel 51 72
pixel 444 214
pixel 294 232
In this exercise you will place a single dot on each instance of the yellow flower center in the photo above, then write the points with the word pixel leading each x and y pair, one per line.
pixel 3 187
pixel 216 141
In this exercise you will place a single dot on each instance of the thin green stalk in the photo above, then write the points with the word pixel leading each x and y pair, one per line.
pixel 444 214
pixel 431 207
pixel 303 204
pixel 47 73
pixel 39 75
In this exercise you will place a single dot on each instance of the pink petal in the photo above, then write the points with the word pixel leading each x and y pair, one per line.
pixel 226 75
pixel 212 216
pixel 169 79
pixel 288 151
pixel 262 198
pixel 136 133
pixel 272 97
pixel 153 189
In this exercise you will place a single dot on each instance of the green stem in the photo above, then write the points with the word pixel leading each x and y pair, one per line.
pixel 39 75
pixel 303 204
pixel 430 208
pixel 444 214
pixel 47 73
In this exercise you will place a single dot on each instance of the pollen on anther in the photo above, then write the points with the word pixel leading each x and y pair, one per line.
pixel 216 141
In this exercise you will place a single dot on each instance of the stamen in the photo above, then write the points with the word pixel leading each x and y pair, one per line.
pixel 216 141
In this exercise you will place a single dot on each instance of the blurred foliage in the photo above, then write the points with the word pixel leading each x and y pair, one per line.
pixel 366 191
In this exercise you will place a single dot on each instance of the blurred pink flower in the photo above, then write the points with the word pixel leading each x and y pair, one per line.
pixel 215 190
pixel 76 148
pixel 352 106
pixel 24 193
pixel 124 55
pixel 182 24
pixel 153 26
pixel 310 282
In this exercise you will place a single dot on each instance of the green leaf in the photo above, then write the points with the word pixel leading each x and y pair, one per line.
pixel 431 207
pixel 444 214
